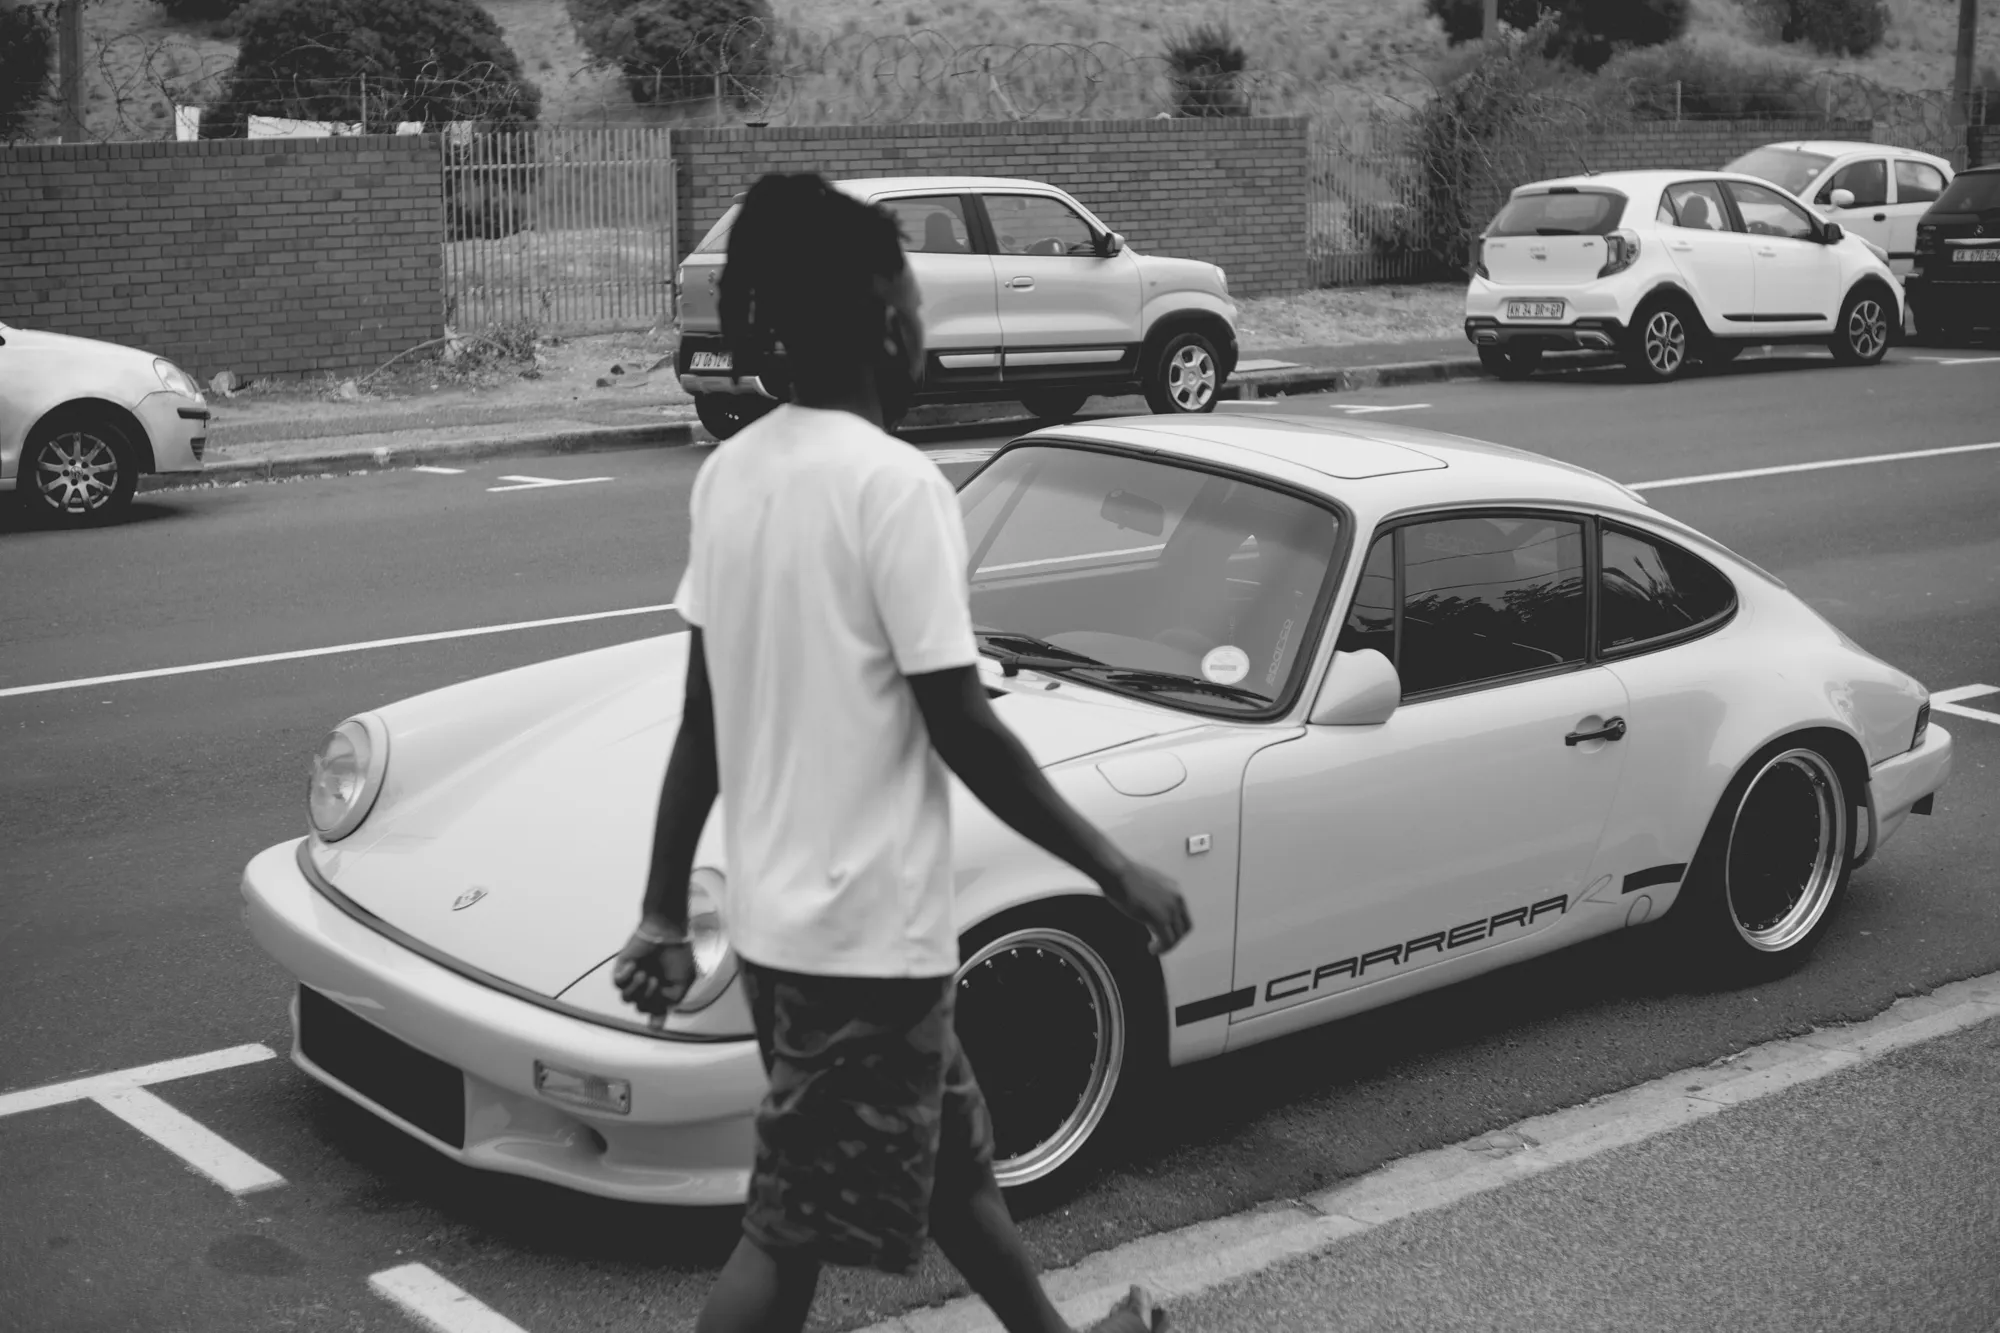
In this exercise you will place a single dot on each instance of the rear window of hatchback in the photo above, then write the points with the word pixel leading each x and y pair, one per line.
pixel 1560 212
pixel 1970 192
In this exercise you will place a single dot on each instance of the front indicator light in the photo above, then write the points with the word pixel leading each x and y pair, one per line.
pixel 1923 724
pixel 592 1092
pixel 1621 251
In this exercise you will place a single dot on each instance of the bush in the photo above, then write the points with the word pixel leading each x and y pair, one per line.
pixel 1205 65
pixel 27 58
pixel 1585 33
pixel 1714 83
pixel 433 61
pixel 679 50
pixel 1837 27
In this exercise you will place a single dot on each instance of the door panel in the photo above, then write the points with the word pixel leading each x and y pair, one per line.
pixel 1916 186
pixel 1059 300
pixel 1869 215
pixel 961 308
pixel 1713 259
pixel 1797 278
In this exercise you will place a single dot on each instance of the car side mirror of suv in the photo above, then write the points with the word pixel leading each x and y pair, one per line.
pixel 1361 689
pixel 1110 245
pixel 1842 198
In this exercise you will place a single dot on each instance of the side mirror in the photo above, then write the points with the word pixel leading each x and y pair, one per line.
pixel 1360 690
pixel 1832 233
pixel 1134 513
pixel 1841 198
pixel 1110 245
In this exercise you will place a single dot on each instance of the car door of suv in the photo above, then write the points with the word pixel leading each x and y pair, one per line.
pixel 955 274
pixel 1067 311
pixel 1711 255
pixel 1914 187
pixel 1797 277
pixel 1465 826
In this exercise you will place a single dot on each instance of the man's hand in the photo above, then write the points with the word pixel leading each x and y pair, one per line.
pixel 654 976
pixel 1151 899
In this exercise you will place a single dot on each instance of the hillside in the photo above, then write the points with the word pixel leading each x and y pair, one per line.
pixel 860 60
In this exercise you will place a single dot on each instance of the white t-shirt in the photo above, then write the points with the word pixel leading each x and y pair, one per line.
pixel 827 562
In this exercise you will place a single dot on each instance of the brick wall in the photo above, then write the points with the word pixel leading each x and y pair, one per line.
pixel 1232 192
pixel 1984 145
pixel 258 256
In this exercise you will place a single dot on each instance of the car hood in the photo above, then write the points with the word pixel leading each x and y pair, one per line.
pixel 523 852
pixel 1162 273
pixel 68 345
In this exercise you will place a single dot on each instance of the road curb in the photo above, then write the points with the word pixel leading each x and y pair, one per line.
pixel 1198 1258
pixel 1274 383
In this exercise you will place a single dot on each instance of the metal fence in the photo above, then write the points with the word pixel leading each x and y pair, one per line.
pixel 1367 208
pixel 572 231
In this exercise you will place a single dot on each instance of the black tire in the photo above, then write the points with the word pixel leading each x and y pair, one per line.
pixel 1061 1013
pixel 1660 345
pixel 1184 375
pixel 1862 335
pixel 77 469
pixel 1054 404
pixel 1788 814
pixel 723 414
pixel 1510 363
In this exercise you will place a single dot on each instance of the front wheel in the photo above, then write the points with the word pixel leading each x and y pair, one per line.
pixel 1510 363
pixel 724 414
pixel 77 470
pixel 1657 345
pixel 1185 375
pixel 1861 338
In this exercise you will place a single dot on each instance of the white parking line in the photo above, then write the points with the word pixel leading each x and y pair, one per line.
pixel 297 654
pixel 439 471
pixel 1785 469
pixel 123 1093
pixel 1960 360
pixel 1369 409
pixel 1947 701
pixel 437 1304
pixel 542 483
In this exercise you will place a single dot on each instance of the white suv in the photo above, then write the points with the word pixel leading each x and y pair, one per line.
pixel 1874 191
pixel 1670 269
pixel 1027 296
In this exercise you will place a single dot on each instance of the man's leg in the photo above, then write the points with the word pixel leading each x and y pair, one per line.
pixel 975 1231
pixel 758 1292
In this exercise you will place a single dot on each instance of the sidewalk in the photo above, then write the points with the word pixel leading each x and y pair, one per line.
pixel 253 439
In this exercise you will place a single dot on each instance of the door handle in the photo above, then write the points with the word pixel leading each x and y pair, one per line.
pixel 1021 284
pixel 1881 217
pixel 1612 730
pixel 1681 248
pixel 1768 254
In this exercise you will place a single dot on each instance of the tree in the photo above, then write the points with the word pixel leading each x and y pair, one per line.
pixel 1205 65
pixel 1586 33
pixel 374 62
pixel 27 50
pixel 679 50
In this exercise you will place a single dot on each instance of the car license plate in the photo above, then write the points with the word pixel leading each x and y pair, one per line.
pixel 1977 257
pixel 709 361
pixel 1534 310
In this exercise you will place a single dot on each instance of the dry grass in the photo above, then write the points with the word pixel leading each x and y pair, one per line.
pixel 1336 316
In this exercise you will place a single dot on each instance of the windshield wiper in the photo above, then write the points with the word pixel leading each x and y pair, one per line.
pixel 1015 651
pixel 1139 678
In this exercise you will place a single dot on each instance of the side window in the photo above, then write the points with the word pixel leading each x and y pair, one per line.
pixel 1488 597
pixel 1034 224
pixel 1665 212
pixel 1869 180
pixel 1651 588
pixel 932 224
pixel 1918 182
pixel 1700 206
pixel 1768 213
pixel 1371 620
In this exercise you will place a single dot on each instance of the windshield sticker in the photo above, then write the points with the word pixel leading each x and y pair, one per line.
pixel 1226 665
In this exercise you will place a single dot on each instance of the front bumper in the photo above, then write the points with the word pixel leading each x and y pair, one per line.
pixel 1588 334
pixel 1897 785
pixel 687 1139
pixel 177 428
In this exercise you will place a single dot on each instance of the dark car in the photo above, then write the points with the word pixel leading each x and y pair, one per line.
pixel 1956 286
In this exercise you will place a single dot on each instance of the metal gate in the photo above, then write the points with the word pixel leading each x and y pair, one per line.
pixel 571 231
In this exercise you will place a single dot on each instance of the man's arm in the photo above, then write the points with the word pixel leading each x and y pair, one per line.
pixel 656 967
pixel 975 744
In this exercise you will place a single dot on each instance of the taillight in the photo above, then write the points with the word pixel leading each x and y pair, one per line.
pixel 1927 237
pixel 1923 724
pixel 1621 251
pixel 1479 258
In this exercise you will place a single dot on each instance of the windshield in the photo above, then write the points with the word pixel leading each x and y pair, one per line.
pixel 717 239
pixel 1146 577
pixel 1787 168
pixel 1560 213
pixel 1973 192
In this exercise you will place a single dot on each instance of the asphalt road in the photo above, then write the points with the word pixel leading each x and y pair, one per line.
pixel 130 807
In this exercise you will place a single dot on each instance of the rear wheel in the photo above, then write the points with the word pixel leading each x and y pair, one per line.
pixel 77 470
pixel 1861 338
pixel 1185 375
pixel 723 414
pixel 1658 344
pixel 1510 363
pixel 1054 404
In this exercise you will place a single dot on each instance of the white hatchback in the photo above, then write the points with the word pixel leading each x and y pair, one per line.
pixel 1874 191
pixel 1670 269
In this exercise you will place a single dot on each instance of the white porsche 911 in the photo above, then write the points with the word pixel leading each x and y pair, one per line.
pixel 1394 707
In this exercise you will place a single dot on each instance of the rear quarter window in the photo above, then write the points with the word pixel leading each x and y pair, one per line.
pixel 1970 192
pixel 1564 213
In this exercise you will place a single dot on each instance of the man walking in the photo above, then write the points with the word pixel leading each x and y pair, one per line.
pixel 832 679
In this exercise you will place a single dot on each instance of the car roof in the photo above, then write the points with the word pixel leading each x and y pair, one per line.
pixel 1373 467
pixel 869 186
pixel 1651 178
pixel 1842 147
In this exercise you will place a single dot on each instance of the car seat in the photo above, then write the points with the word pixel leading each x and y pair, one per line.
pixel 940 237
pixel 1695 212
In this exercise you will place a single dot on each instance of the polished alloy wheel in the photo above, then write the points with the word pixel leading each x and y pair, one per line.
pixel 1039 1015
pixel 1867 329
pixel 1191 378
pixel 1666 343
pixel 1787 850
pixel 76 473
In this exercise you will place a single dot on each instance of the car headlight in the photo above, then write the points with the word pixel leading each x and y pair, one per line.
pixel 1222 279
pixel 714 961
pixel 175 380
pixel 346 776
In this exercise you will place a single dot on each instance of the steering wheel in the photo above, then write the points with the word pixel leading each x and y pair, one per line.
pixel 1048 245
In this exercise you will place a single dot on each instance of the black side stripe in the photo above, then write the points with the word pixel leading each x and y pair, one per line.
pixel 1647 878
pixel 1214 1006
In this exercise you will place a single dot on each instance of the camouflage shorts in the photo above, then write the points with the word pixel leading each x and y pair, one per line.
pixel 872 1112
